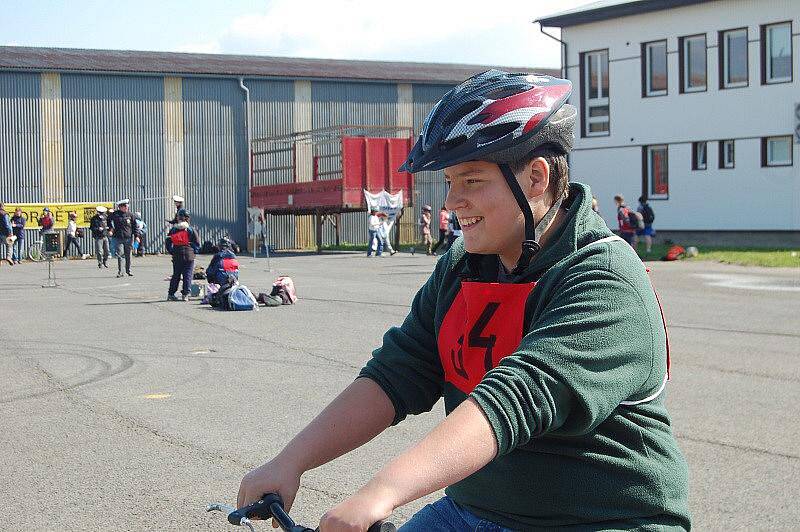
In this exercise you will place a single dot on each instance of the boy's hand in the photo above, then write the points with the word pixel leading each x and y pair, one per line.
pixel 359 512
pixel 272 477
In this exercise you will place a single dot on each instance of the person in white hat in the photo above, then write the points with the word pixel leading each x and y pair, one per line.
pixel 98 225
pixel 122 225
pixel 179 201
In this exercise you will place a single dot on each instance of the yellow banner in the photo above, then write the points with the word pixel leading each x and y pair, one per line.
pixel 33 211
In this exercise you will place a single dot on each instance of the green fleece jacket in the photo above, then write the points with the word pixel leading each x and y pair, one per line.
pixel 571 454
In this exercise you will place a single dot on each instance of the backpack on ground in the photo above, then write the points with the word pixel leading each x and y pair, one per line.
pixel 674 253
pixel 241 298
pixel 648 215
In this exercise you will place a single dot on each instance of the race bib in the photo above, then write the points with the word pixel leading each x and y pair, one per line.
pixel 483 325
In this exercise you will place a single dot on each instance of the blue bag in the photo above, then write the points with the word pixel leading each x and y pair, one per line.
pixel 241 298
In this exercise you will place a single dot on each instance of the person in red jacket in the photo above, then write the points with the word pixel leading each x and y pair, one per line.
pixel 182 243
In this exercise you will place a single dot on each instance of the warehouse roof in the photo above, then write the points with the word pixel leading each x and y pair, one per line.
pixel 133 62
pixel 609 9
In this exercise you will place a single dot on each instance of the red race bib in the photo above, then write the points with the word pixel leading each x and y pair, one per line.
pixel 483 325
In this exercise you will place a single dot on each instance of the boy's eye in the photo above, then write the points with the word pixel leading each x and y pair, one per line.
pixel 472 181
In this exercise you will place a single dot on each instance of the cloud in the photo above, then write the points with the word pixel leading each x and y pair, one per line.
pixel 469 31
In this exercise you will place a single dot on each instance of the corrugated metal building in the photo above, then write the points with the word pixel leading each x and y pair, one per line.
pixel 94 125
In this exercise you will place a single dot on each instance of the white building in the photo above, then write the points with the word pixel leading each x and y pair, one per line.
pixel 694 103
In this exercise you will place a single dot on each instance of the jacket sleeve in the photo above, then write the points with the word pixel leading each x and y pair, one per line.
pixel 194 240
pixel 593 346
pixel 168 242
pixel 407 365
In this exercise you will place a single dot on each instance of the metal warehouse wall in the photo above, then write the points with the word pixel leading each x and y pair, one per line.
pixel 112 132
pixel 20 138
pixel 215 157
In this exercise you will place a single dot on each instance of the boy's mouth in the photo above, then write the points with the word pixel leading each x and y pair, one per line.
pixel 470 221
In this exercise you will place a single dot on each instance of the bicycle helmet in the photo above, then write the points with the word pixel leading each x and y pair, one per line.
pixel 224 243
pixel 499 117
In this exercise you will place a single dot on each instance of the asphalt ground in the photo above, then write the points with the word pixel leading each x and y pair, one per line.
pixel 121 411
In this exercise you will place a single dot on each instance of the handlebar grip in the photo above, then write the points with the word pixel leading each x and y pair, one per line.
pixel 382 526
pixel 259 509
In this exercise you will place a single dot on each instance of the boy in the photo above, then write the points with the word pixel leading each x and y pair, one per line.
pixel 182 242
pixel 530 327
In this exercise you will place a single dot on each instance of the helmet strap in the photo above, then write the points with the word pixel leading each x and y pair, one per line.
pixel 533 229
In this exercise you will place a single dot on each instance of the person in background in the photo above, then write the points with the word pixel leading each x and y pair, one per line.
pixel 18 227
pixel 595 205
pixel 453 228
pixel 122 226
pixel 73 236
pixel 179 201
pixel 373 225
pixel 425 229
pixel 443 219
pixel 649 217
pixel 99 229
pixel 7 234
pixel 183 244
pixel 383 233
pixel 626 230
pixel 46 221
pixel 223 268
pixel 141 235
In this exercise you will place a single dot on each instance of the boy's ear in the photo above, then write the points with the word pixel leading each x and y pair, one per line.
pixel 537 175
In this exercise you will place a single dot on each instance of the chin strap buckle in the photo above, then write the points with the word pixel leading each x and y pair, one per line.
pixel 529 249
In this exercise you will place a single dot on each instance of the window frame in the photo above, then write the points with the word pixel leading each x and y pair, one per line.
pixel 695 152
pixel 648 188
pixel 590 103
pixel 684 63
pixel 647 91
pixel 724 67
pixel 723 162
pixel 765 152
pixel 765 54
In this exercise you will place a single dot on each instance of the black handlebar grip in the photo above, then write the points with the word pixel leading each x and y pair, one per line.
pixel 259 509
pixel 382 526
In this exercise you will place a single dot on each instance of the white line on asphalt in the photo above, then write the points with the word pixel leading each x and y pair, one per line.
pixel 748 282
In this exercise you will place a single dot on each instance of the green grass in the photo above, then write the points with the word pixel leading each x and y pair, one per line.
pixel 733 255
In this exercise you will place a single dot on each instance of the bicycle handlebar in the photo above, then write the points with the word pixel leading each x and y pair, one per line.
pixel 271 506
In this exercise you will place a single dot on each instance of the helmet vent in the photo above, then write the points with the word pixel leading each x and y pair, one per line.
pixel 460 113
pixel 492 133
pixel 504 92
pixel 478 118
pixel 452 143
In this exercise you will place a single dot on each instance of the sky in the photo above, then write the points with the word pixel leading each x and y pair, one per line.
pixel 489 32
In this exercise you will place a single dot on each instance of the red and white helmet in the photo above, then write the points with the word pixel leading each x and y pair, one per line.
pixel 495 116
pixel 499 117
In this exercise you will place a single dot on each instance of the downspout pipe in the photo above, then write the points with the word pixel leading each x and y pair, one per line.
pixel 249 135
pixel 563 50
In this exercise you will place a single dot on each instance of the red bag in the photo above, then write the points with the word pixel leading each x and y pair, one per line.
pixel 675 253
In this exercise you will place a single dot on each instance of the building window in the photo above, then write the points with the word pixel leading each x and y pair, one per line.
pixel 656 169
pixel 699 155
pixel 692 51
pixel 726 154
pixel 776 151
pixel 733 59
pixel 654 68
pixel 776 53
pixel 596 109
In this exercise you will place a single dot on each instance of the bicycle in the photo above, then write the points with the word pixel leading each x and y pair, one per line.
pixel 270 506
pixel 35 252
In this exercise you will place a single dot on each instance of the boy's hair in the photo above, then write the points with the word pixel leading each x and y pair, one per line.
pixel 559 168
pixel 619 198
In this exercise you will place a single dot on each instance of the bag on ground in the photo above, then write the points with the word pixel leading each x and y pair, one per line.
pixel 241 298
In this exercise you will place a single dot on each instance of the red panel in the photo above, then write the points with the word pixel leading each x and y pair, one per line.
pixel 377 164
pixel 398 152
pixel 353 169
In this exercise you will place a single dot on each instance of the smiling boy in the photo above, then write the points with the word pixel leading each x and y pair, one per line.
pixel 540 330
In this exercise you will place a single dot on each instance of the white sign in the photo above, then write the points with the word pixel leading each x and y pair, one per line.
pixel 797 123
pixel 391 204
